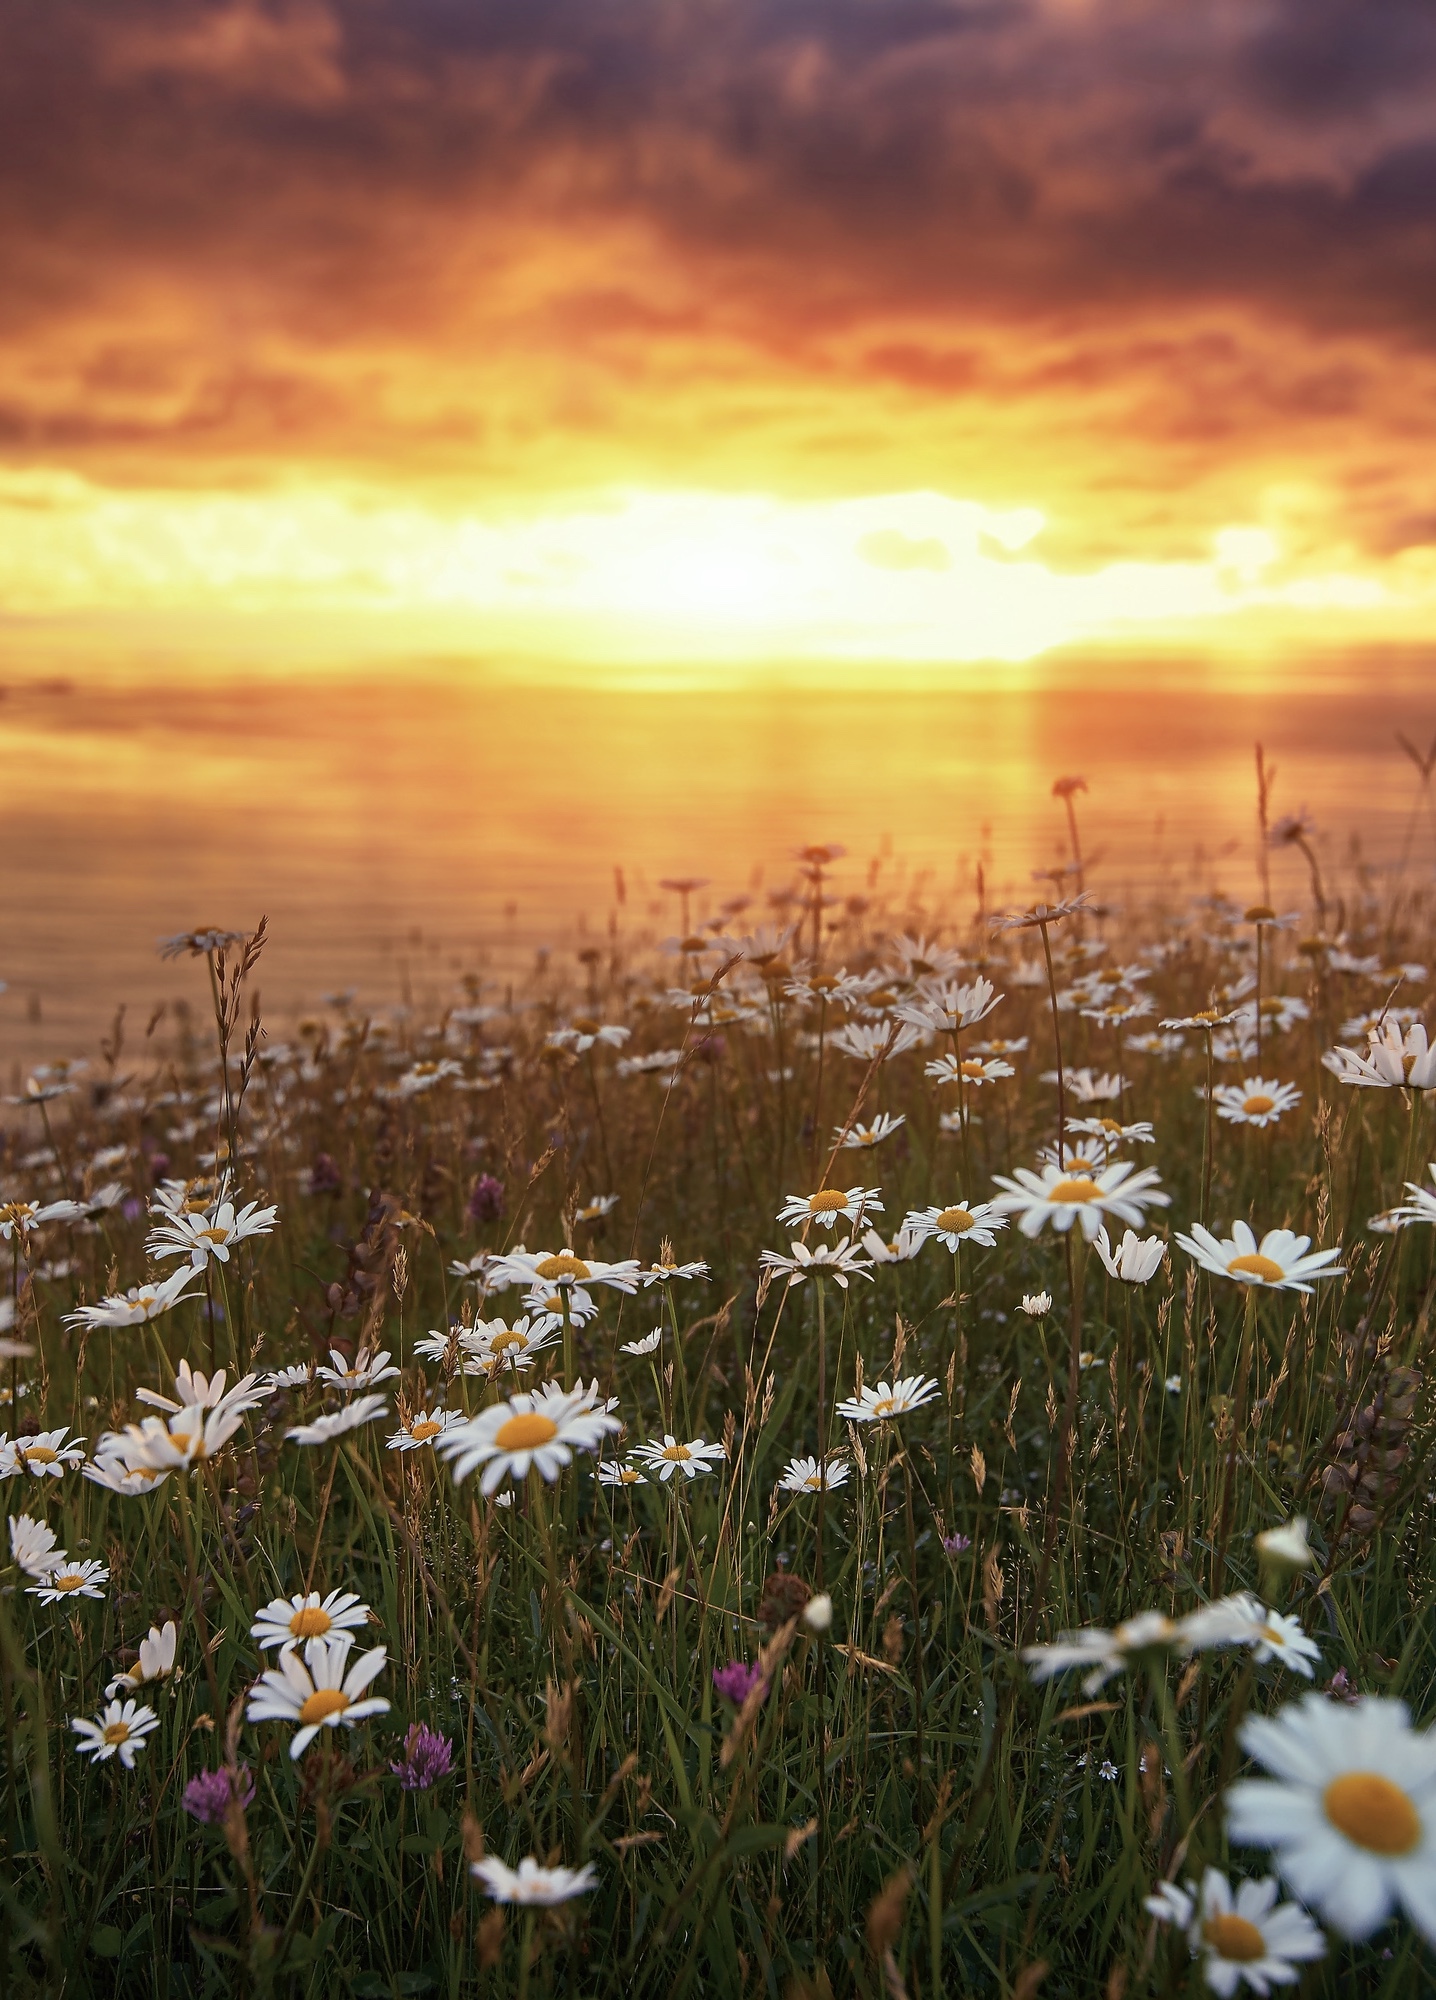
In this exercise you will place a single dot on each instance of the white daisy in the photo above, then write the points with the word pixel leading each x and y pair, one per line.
pixel 211 1233
pixel 860 1137
pixel 539 1430
pixel 648 1344
pixel 1243 1620
pixel 829 1204
pixel 1104 1653
pixel 838 1261
pixel 290 1621
pixel 1393 1060
pixel 972 1072
pixel 297 1375
pixel 155 1663
pixel 32 1546
pixel 950 1008
pixel 1242 1935
pixel 1035 1304
pixel 1286 1547
pixel 324 1430
pixel 531 1884
pixel 1117 1189
pixel 613 1472
pixel 1279 1261
pixel 899 1249
pixel 423 1428
pixel 889 1399
pixel 365 1371
pixel 595 1209
pixel 1420 1208
pixel 691 1459
pixel 977 1222
pixel 119 1731
pixel 70 1579
pixel 1257 1101
pixel 196 1391
pixel 44 1454
pixel 1350 1812
pixel 1135 1261
pixel 188 1438
pixel 812 1475
pixel 660 1272
pixel 316 1692
pixel 560 1270
pixel 139 1305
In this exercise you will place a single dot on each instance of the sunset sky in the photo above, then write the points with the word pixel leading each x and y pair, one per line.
pixel 864 329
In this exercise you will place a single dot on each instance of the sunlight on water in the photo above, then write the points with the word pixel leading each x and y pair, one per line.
pixel 395 827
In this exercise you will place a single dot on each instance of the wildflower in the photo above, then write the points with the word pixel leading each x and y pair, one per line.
pixel 209 1796
pixel 325 1430
pixel 1036 1304
pixel 427 1758
pixel 1087 1086
pixel 956 1545
pixel 316 1692
pixel 1240 1936
pixel 1254 1102
pixel 828 1204
pixel 210 1233
pixel 1119 1190
pixel 1244 1621
pixel 298 1375
pixel 1393 1060
pixel 44 1454
pixel 109 1470
pixel 1279 1261
pixel 817 1613
pixel 899 1249
pixel 561 1270
pixel 972 1071
pixel 364 1372
pixel 155 1663
pixel 875 1041
pixel 1350 1812
pixel 1135 1261
pixel 18 1218
pixel 1111 1132
pixel 586 1033
pixel 1420 1208
pixel 422 1077
pixel 198 943
pixel 812 1475
pixel 663 1271
pixel 290 1621
pixel 737 1680
pixel 70 1579
pixel 648 1344
pixel 975 1223
pixel 888 1399
pixel 539 1431
pixel 1286 1547
pixel 423 1428
pixel 613 1472
pixel 838 1261
pixel 188 1438
pixel 692 1459
pixel 494 1344
pixel 1103 1653
pixel 530 1884
pixel 950 1008
pixel 486 1201
pixel 862 1137
pixel 32 1546
pixel 118 1731
pixel 203 1392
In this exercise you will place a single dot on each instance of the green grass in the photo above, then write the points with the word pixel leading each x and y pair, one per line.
pixel 907 1812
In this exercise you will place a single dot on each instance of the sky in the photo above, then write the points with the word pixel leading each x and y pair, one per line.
pixel 857 329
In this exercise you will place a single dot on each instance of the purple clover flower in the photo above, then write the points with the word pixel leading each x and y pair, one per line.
pixel 427 1758
pixel 736 1681
pixel 956 1545
pixel 206 1798
pixel 486 1202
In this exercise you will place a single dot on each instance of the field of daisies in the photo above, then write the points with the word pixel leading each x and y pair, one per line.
pixel 851 1448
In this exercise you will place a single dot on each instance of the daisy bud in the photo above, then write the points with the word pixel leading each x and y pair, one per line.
pixel 818 1612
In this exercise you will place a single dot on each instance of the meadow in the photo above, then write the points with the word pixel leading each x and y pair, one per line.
pixel 854 1447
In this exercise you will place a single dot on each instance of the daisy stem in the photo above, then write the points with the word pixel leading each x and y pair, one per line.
pixel 526 1943
pixel 919 1699
pixel 1057 1040
pixel 823 1430
pixel 1173 1739
pixel 1238 1422
pixel 1208 1140
pixel 1257 1004
pixel 196 1601
pixel 319 1523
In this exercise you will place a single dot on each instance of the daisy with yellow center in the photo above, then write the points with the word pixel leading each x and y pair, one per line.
pixel 872 1405
pixel 70 1579
pixel 44 1454
pixel 289 1621
pixel 1083 1193
pixel 1257 1101
pixel 830 1205
pixel 693 1459
pixel 1281 1261
pixel 424 1428
pixel 1349 1810
pixel 319 1691
pixel 960 1222
pixel 560 1270
pixel 118 1731
pixel 537 1432
pixel 1242 1935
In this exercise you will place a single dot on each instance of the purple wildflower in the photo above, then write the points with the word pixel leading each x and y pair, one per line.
pixel 956 1545
pixel 736 1681
pixel 427 1758
pixel 486 1200
pixel 207 1797
pixel 324 1176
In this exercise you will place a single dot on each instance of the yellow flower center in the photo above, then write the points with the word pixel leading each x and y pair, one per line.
pixel 971 1066
pixel 1261 913
pixel 41 1454
pixel 117 1732
pixel 677 1452
pixel 1231 1936
pixel 62 1582
pixel 585 1024
pixel 693 942
pixel 310 1623
pixel 1078 1190
pixel 566 1265
pixel 508 1338
pixel 827 1201
pixel 525 1432
pixel 955 1218
pixel 627 1476
pixel 421 1433
pixel 1373 1812
pixel 885 1406
pixel 813 1481
pixel 323 1703
pixel 1266 1269
pixel 1208 1014
pixel 1259 1105
pixel 214 1235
